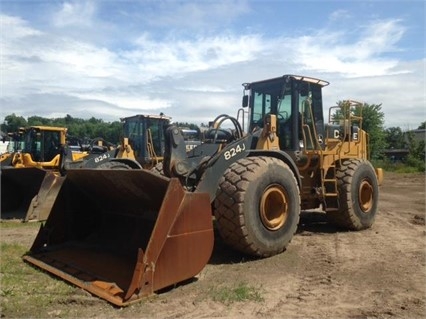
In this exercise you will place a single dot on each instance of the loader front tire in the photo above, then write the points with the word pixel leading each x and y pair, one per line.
pixel 257 207
pixel 358 195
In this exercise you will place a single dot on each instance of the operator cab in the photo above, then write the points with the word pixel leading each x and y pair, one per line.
pixel 145 134
pixel 297 103
pixel 42 145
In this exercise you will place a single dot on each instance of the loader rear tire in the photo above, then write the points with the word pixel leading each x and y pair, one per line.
pixel 257 207
pixel 113 165
pixel 358 195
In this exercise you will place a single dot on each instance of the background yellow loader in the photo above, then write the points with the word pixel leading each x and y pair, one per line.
pixel 33 162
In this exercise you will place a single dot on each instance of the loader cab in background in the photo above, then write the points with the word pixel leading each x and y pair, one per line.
pixel 15 140
pixel 42 145
pixel 145 134
pixel 297 103
pixel 35 146
pixel 37 154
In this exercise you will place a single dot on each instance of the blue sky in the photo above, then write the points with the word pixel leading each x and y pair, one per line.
pixel 109 59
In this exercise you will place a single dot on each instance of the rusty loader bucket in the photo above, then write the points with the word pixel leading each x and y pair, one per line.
pixel 28 193
pixel 41 204
pixel 124 234
pixel 18 187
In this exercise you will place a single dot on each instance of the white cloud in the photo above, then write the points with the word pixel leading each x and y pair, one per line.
pixel 75 13
pixel 380 37
pixel 127 100
pixel 173 57
pixel 196 78
pixel 339 15
pixel 66 66
pixel 194 15
pixel 365 55
pixel 402 95
pixel 15 27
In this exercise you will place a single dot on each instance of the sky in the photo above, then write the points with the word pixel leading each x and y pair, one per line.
pixel 188 59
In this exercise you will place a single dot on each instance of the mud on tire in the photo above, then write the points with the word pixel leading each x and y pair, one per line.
pixel 358 195
pixel 257 207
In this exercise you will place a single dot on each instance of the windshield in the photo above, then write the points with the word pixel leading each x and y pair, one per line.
pixel 297 105
pixel 143 130
pixel 270 97
pixel 190 135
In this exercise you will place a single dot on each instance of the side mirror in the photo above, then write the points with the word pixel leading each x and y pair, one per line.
pixel 245 101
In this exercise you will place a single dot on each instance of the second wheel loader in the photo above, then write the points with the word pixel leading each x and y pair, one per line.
pixel 33 175
pixel 33 164
pixel 125 234
pixel 142 145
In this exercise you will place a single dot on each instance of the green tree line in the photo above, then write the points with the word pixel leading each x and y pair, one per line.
pixel 380 138
pixel 77 127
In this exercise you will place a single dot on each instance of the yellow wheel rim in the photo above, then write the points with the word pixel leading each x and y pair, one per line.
pixel 365 196
pixel 274 207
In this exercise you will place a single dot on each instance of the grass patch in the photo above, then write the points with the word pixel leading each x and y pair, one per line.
pixel 8 224
pixel 406 169
pixel 25 291
pixel 241 292
pixel 399 167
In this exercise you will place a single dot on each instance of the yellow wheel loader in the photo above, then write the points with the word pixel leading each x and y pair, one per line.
pixel 141 148
pixel 126 234
pixel 142 145
pixel 143 141
pixel 33 175
pixel 33 164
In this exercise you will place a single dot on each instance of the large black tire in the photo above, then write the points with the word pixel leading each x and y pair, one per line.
pixel 358 195
pixel 113 165
pixel 257 207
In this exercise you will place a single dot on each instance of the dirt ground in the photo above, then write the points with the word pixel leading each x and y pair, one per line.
pixel 325 272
